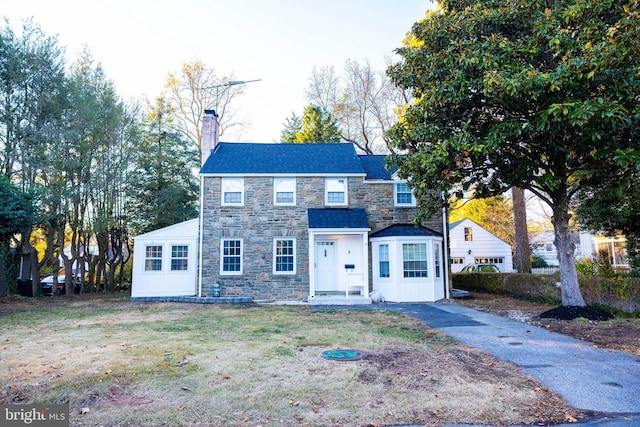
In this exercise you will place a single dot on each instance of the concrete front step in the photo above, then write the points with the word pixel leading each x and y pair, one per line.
pixel 339 300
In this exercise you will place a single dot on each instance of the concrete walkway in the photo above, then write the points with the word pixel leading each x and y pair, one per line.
pixel 586 377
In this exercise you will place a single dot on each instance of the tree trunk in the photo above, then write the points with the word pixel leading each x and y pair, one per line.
pixel 68 273
pixel 522 258
pixel 35 271
pixel 571 295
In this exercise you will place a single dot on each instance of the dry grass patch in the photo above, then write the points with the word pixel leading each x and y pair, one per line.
pixel 122 363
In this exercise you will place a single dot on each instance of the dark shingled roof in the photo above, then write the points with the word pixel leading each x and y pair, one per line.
pixel 375 167
pixel 338 218
pixel 405 230
pixel 256 158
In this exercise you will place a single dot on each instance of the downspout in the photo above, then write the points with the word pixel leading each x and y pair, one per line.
pixel 445 233
pixel 200 236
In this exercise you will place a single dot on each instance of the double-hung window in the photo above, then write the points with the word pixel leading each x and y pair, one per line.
pixel 179 258
pixel 403 196
pixel 414 259
pixel 232 190
pixel 383 260
pixel 231 262
pixel 468 234
pixel 284 191
pixel 335 193
pixel 153 258
pixel 284 255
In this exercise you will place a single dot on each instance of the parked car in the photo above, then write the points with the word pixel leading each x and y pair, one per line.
pixel 480 268
pixel 46 285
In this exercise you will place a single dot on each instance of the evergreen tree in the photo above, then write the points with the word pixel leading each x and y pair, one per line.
pixel 292 127
pixel 164 191
pixel 16 216
pixel 316 126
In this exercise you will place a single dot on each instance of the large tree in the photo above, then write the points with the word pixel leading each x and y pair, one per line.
pixel 164 190
pixel 538 94
pixel 197 88
pixel 362 100
pixel 33 102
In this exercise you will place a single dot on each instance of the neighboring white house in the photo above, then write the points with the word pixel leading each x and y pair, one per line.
pixel 612 249
pixel 469 243
pixel 165 261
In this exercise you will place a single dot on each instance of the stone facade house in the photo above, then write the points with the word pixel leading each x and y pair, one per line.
pixel 316 223
pixel 311 222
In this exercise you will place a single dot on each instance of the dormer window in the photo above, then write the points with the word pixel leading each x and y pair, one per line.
pixel 403 196
pixel 232 190
pixel 284 191
pixel 335 192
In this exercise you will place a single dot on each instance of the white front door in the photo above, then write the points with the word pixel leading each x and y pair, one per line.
pixel 325 264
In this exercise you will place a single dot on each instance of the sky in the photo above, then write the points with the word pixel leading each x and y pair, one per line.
pixel 139 42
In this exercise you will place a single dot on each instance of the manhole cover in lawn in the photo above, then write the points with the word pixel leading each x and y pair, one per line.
pixel 343 355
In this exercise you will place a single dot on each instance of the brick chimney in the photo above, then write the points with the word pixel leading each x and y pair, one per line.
pixel 209 134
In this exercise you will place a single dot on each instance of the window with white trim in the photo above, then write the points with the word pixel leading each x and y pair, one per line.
pixel 468 234
pixel 457 260
pixel 232 191
pixel 383 260
pixel 231 262
pixel 284 255
pixel 403 196
pixel 179 258
pixel 153 258
pixel 414 259
pixel 284 191
pixel 335 193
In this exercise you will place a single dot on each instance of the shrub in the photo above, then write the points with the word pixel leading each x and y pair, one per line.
pixel 618 293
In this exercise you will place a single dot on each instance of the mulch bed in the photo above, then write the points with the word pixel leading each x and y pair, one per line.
pixel 575 312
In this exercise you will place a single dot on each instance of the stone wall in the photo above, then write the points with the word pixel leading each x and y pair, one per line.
pixel 259 221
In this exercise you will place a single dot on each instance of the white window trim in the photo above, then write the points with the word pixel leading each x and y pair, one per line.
pixel 231 273
pixel 286 182
pixel 228 185
pixel 395 196
pixel 427 260
pixel 345 189
pixel 187 258
pixel 295 257
pixel 379 260
pixel 161 258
